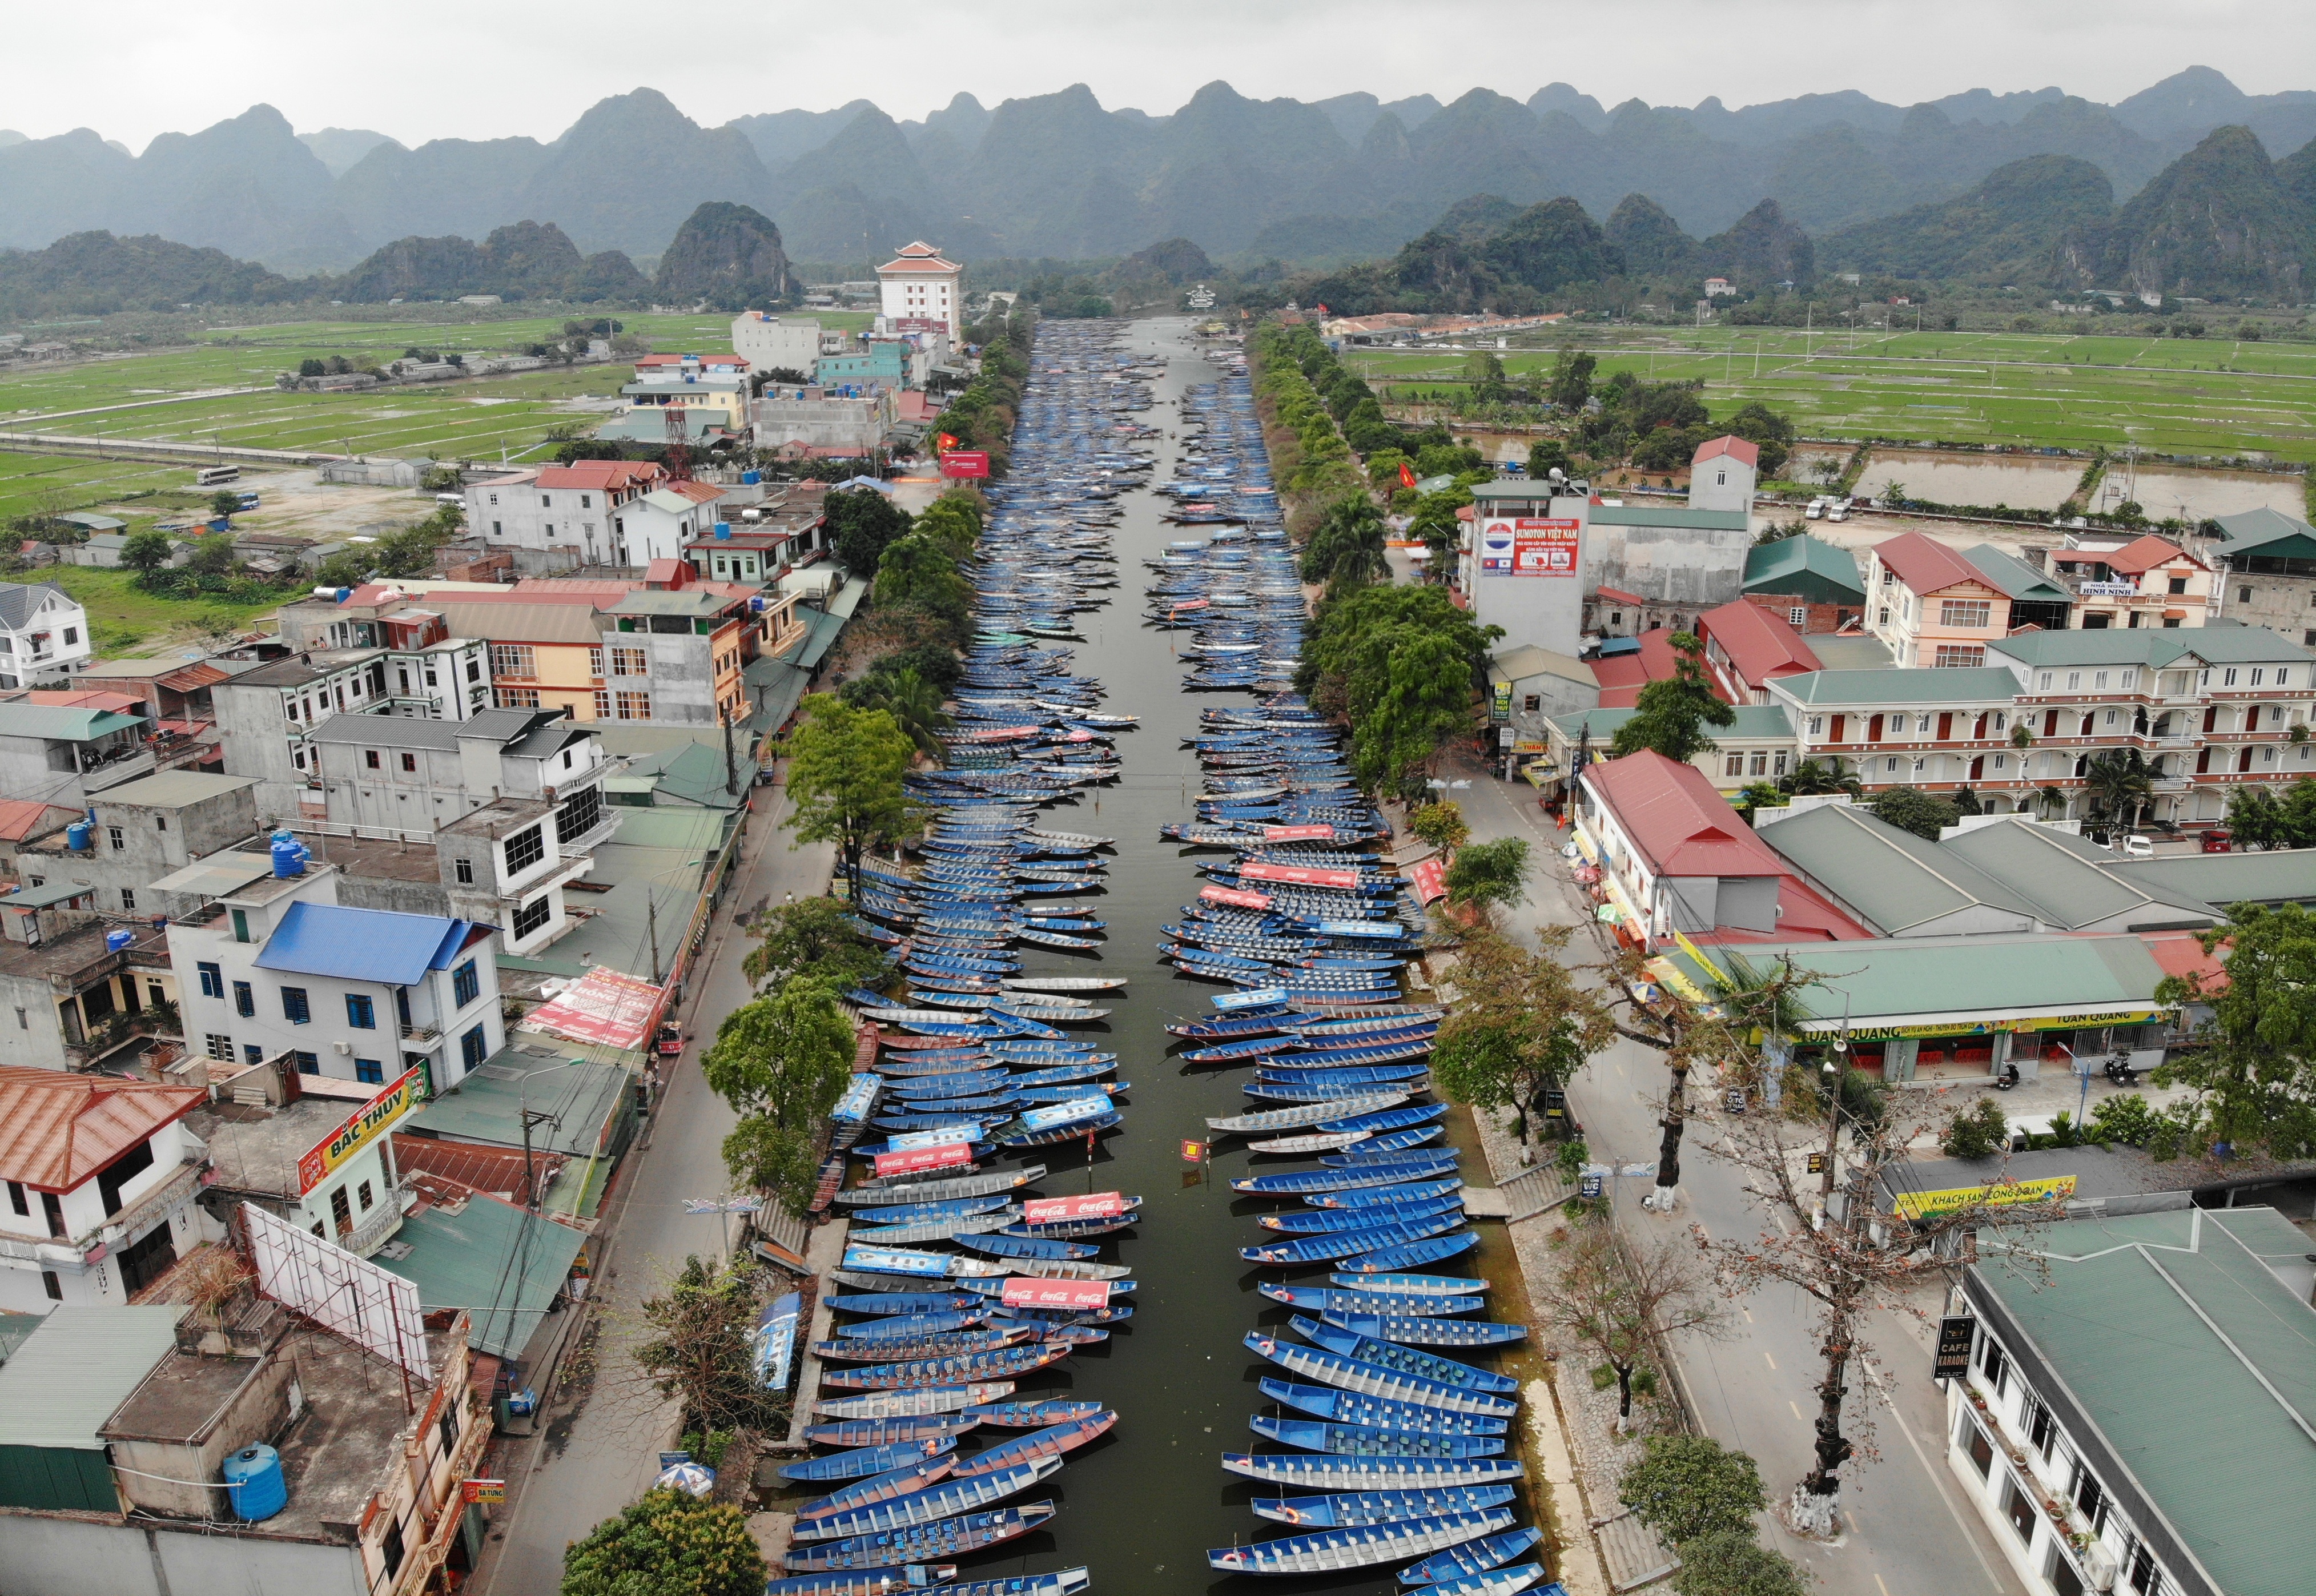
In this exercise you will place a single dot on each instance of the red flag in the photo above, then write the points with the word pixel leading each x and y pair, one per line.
pixel 1406 474
pixel 946 441
pixel 1322 310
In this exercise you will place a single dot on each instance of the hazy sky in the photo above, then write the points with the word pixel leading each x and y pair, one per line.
pixel 486 69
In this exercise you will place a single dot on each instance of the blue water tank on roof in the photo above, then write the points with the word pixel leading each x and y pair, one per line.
pixel 253 1480
pixel 115 941
pixel 749 478
pixel 290 854
pixel 78 835
pixel 724 529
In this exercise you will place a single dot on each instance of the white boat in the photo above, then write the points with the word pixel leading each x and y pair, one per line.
pixel 1064 982
pixel 911 1405
pixel 1323 1142
pixel 1309 1113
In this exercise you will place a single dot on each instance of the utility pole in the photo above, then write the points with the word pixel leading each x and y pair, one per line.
pixel 1835 1067
pixel 731 768
pixel 650 920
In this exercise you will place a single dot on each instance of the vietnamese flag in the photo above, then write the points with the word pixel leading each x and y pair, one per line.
pixel 1406 474
pixel 946 441
pixel 1322 310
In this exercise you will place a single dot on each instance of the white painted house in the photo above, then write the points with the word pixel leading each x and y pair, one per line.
pixel 43 634
pixel 919 291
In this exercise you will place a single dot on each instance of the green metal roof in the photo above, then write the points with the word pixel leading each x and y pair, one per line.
pixel 1888 980
pixel 1965 684
pixel 2153 647
pixel 48 897
pixel 68 1375
pixel 1897 879
pixel 2071 882
pixel 824 629
pixel 2192 1359
pixel 1753 721
pixel 777 686
pixel 1670 515
pixel 468 1260
pixel 1804 566
pixel 2224 645
pixel 62 725
pixel 2219 879
pixel 2247 529
pixel 2015 577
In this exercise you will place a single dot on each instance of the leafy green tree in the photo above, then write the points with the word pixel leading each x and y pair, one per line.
pixel 1435 522
pixel 2255 819
pixel 146 551
pixel 862 523
pixel 1439 823
pixel 1425 698
pixel 1979 1131
pixel 1811 777
pixel 1480 366
pixel 846 767
pixel 2120 784
pixel 212 555
pixel 781 1062
pixel 1547 455
pixel 1733 1563
pixel 1771 434
pixel 1483 874
pixel 2254 1071
pixel 1670 714
pixel 1523 1021
pixel 815 937
pixel 1689 1485
pixel 1909 808
pixel 919 571
pixel 1571 383
pixel 1348 546
pixel 914 703
pixel 666 1544
pixel 224 503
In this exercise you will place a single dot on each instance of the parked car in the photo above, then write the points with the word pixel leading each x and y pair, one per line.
pixel 2136 846
pixel 2218 841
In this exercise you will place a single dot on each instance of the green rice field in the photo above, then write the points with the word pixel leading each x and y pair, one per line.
pixel 2205 396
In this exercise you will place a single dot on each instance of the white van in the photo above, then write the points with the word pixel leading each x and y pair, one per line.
pixel 1815 510
pixel 1837 510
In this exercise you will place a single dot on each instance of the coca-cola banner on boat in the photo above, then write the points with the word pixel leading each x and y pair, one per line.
pixel 1025 1293
pixel 1052 1210
pixel 910 1159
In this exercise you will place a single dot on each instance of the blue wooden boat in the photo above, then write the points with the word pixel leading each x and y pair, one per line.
pixel 911 1403
pixel 960 1343
pixel 917 1302
pixel 1310 1114
pixel 865 1581
pixel 1337 1221
pixel 1339 1406
pixel 1264 1046
pixel 967 1125
pixel 1349 1244
pixel 1385 1197
pixel 1322 1093
pixel 865 1258
pixel 1352 1509
pixel 1372 1441
pixel 1384 1354
pixel 955 1084
pixel 1370 1379
pixel 938 1188
pixel 1419 1331
pixel 1500 1581
pixel 1004 1363
pixel 1387 1173
pixel 1051 1442
pixel 1323 1299
pixel 882 1432
pixel 1042 1096
pixel 1410 1254
pixel 1032 1415
pixel 1067 1582
pixel 1008 1245
pixel 1329 1551
pixel 1473 1556
pixel 943 1537
pixel 1371 1159
pixel 1377 1074
pixel 1409 1284
pixel 905 1481
pixel 867 1460
pixel 912 1213
pixel 1016 1133
pixel 1071 1329
pixel 942 1501
pixel 1334 1472
pixel 908 1326
pixel 1092 1067
pixel 1398 1141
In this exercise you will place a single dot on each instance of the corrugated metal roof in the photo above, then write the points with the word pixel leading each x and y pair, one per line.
pixel 1758 643
pixel 1898 880
pixel 22 818
pixel 824 629
pixel 81 1363
pixel 68 726
pixel 215 876
pixel 466 1260
pixel 1924 563
pixel 2192 1358
pixel 361 944
pixel 1789 558
pixel 1961 684
pixel 58 1128
pixel 1681 825
pixel 2071 882
pixel 171 789
pixel 2013 577
pixel 2219 879
pixel 1892 978
pixel 513 623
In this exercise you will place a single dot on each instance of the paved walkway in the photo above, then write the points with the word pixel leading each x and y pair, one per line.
pixel 597 1443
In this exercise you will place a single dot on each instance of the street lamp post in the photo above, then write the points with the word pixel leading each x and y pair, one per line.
pixel 1833 1069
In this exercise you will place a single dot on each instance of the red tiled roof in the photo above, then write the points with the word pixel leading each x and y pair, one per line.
pixel 1619 596
pixel 1760 646
pixel 1681 825
pixel 2144 553
pixel 1735 447
pixel 699 493
pixel 1622 676
pixel 600 475
pixel 918 257
pixel 666 573
pixel 22 818
pixel 57 1128
pixel 87 698
pixel 1926 564
pixel 495 1172
pixel 2181 953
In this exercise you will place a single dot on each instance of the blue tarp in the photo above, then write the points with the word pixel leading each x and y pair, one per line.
pixel 361 944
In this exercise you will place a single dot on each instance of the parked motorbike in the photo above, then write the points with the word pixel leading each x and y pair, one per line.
pixel 2118 1070
pixel 2007 1078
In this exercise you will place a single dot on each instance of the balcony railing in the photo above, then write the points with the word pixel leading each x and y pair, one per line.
pixel 377 1227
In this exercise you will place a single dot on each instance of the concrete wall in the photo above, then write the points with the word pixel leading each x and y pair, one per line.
pixel 48 1555
pixel 257 1411
pixel 36 768
pixel 2286 604
pixel 254 736
pixel 395 894
pixel 682 676
pixel 1663 565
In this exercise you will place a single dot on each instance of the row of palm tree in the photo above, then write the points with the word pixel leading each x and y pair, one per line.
pixel 2118 786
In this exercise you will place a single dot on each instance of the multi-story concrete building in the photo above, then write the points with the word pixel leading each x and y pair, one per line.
pixel 2210 710
pixel 101 1176
pixel 773 345
pixel 1813 584
pixel 1935 606
pixel 2264 565
pixel 143 833
pixel 813 416
pixel 657 525
pixel 918 290
pixel 43 634
pixel 57 755
pixel 415 777
pixel 1721 475
pixel 554 517
pixel 2146 581
pixel 278 966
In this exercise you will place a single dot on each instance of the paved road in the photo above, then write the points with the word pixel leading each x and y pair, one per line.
pixel 1910 1533
pixel 597 1454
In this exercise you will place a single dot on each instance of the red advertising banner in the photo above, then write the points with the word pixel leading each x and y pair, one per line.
pixel 1052 1210
pixel 1298 834
pixel 1430 879
pixel 910 1159
pixel 964 462
pixel 1232 898
pixel 1297 874
pixel 1023 1292
pixel 1545 547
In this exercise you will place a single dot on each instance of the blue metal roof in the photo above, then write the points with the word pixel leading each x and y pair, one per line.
pixel 361 944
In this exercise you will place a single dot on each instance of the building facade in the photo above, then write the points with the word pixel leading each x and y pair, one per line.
pixel 918 290
pixel 43 634
pixel 558 516
pixel 1722 473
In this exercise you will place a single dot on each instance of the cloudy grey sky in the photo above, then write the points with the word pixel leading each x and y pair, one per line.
pixel 421 69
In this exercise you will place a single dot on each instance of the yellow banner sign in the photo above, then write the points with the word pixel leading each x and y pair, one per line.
pixel 362 1127
pixel 1933 1205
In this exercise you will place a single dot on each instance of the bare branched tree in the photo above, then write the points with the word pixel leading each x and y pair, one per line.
pixel 1612 1291
pixel 1853 1239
